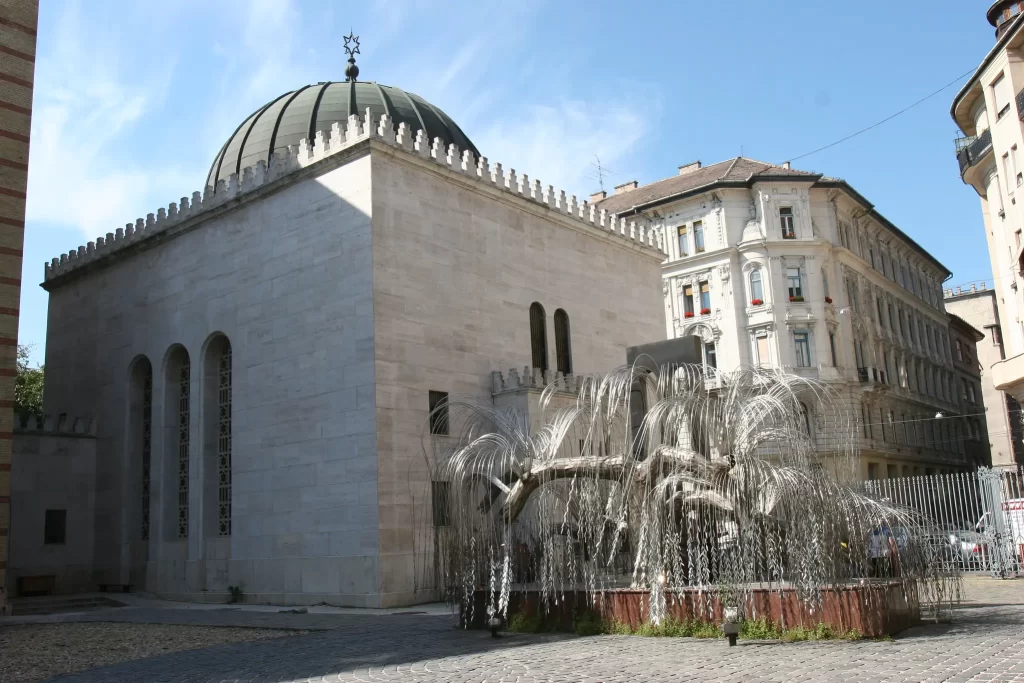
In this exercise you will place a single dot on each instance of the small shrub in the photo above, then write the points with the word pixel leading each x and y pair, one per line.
pixel 588 624
pixel 526 623
pixel 237 594
pixel 760 629
pixel 619 628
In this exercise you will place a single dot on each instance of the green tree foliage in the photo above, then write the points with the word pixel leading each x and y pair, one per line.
pixel 28 387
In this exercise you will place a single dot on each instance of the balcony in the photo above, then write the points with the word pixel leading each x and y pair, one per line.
pixel 1008 376
pixel 863 375
pixel 970 150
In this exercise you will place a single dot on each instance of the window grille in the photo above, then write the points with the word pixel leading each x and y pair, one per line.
pixel 563 347
pixel 183 422
pixel 224 444
pixel 538 337
pixel 147 448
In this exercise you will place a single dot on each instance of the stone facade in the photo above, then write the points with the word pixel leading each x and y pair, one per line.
pixel 991 160
pixel 977 306
pixel 781 268
pixel 54 480
pixel 18 21
pixel 963 340
pixel 344 284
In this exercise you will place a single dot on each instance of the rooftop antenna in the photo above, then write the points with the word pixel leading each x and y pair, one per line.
pixel 600 172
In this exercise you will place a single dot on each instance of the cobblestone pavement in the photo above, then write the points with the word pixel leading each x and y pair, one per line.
pixel 985 643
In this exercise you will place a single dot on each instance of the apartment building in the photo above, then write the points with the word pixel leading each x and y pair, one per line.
pixel 989 109
pixel 977 306
pixel 776 267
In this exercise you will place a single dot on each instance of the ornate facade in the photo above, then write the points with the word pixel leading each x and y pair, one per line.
pixel 781 268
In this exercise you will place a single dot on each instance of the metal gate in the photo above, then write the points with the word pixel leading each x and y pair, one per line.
pixel 978 517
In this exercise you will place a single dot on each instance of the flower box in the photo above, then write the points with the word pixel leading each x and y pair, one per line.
pixel 796 299
pixel 688 314
pixel 756 302
pixel 828 299
pixel 705 311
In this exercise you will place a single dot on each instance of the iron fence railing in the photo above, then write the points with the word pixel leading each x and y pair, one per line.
pixel 970 149
pixel 977 518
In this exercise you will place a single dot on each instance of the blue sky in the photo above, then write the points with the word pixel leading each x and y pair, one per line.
pixel 133 100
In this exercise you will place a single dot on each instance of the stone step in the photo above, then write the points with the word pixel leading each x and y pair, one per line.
pixel 59 604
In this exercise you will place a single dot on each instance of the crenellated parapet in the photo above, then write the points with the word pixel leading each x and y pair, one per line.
pixel 355 130
pixel 534 379
pixel 61 424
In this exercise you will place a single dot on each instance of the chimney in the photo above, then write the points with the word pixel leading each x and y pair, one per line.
pixel 982 286
pixel 626 187
pixel 786 165
pixel 690 167
pixel 958 292
pixel 598 196
pixel 974 288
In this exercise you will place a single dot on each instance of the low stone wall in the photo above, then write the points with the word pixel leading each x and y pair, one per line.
pixel 875 609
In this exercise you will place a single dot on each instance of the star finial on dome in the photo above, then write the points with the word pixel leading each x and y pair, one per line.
pixel 352 48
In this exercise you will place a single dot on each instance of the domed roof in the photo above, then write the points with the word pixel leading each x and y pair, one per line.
pixel 301 113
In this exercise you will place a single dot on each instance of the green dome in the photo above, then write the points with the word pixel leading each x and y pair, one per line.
pixel 300 113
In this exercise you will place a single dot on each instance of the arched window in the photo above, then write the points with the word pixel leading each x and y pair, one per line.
pixel 563 347
pixel 756 287
pixel 141 419
pixel 178 413
pixel 538 337
pixel 806 415
pixel 216 398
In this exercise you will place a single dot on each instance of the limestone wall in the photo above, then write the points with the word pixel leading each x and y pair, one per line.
pixel 285 275
pixel 456 267
pixel 53 468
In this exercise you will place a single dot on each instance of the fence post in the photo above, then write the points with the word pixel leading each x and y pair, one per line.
pixel 995 522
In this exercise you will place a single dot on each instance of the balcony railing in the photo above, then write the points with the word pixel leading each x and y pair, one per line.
pixel 970 150
pixel 1020 105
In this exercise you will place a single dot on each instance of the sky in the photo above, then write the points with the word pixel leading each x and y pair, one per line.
pixel 133 100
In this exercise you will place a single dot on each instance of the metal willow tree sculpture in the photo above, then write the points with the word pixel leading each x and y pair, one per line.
pixel 730 482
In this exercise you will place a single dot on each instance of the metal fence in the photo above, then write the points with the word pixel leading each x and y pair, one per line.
pixel 977 517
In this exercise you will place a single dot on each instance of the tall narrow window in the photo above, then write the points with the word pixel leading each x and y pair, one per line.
pixel 183 443
pixel 563 347
pixel 688 301
pixel 803 349
pixel 705 299
pixel 761 350
pixel 796 290
pixel 147 446
pixel 698 237
pixel 786 218
pixel 832 347
pixel 438 403
pixel 756 287
pixel 710 355
pixel 55 524
pixel 871 254
pixel 824 286
pixel 682 241
pixel 959 351
pixel 224 442
pixel 538 337
pixel 806 414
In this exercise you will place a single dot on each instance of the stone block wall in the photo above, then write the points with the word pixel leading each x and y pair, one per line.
pixel 18 21
pixel 54 469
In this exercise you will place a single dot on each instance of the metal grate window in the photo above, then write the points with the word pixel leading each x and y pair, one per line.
pixel 183 421
pixel 224 444
pixel 147 446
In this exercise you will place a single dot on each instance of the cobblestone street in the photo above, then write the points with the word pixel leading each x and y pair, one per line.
pixel 985 643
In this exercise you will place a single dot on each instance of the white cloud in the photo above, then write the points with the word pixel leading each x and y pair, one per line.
pixel 556 144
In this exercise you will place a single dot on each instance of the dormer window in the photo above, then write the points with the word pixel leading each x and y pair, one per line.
pixel 786 219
